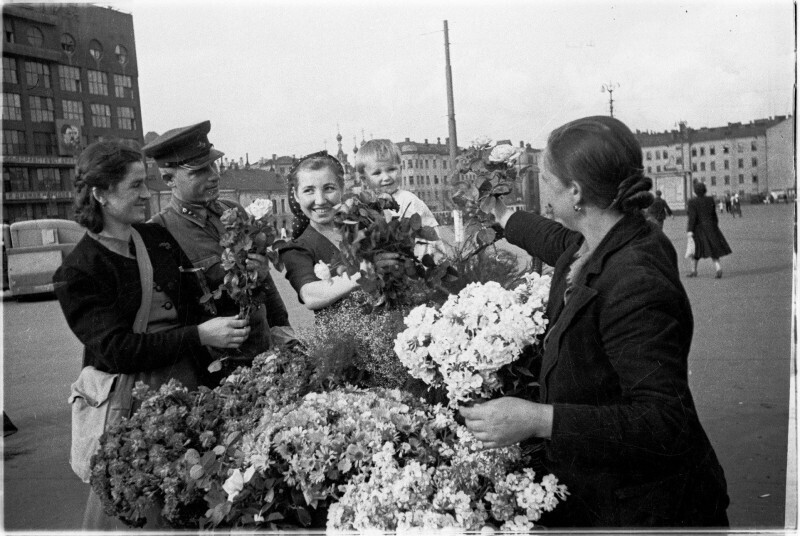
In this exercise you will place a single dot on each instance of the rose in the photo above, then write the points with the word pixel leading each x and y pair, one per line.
pixel 503 153
pixel 229 217
pixel 260 208
pixel 481 141
pixel 322 271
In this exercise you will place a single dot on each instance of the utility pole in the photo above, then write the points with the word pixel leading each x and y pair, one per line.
pixel 610 87
pixel 451 114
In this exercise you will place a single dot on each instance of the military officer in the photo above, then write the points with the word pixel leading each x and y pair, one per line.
pixel 187 163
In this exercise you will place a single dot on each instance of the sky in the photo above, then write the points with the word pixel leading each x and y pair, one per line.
pixel 281 77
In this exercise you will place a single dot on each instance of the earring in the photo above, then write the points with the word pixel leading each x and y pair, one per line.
pixel 577 208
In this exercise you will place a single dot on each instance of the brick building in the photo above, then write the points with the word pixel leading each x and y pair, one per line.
pixel 70 78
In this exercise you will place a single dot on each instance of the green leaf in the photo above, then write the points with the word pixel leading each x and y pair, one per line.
pixel 485 236
pixel 233 436
pixel 488 204
pixel 215 366
pixel 274 516
pixel 427 261
pixel 304 517
pixel 428 233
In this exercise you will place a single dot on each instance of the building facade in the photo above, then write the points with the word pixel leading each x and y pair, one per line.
pixel 749 159
pixel 70 78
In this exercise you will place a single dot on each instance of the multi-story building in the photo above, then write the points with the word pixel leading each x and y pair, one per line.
pixel 749 159
pixel 69 78
pixel 425 172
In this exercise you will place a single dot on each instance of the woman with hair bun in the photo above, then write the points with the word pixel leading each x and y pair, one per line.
pixel 122 295
pixel 615 411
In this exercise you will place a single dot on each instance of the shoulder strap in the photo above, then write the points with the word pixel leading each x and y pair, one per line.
pixel 146 277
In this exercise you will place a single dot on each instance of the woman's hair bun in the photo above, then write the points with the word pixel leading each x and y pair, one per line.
pixel 634 193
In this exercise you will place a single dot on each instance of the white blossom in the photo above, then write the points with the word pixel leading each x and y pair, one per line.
pixel 260 208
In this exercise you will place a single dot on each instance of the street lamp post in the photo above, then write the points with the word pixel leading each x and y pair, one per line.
pixel 610 87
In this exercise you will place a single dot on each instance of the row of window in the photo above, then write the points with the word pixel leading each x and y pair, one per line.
pixel 35 38
pixel 41 109
pixel 712 166
pixel 20 179
pixel 420 163
pixel 712 150
pixel 37 74
pixel 421 181
pixel 727 179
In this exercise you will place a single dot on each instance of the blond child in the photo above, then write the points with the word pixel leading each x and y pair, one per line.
pixel 378 166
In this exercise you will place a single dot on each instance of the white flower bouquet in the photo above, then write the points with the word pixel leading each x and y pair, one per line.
pixel 464 344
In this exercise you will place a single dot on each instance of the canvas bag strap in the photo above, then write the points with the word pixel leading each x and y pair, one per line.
pixel 146 277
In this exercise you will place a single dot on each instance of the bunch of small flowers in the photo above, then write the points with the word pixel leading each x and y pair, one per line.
pixel 171 457
pixel 463 487
pixel 366 235
pixel 463 344
pixel 247 231
pixel 321 441
pixel 352 342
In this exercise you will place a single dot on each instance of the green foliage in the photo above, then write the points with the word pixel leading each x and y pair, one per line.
pixel 366 236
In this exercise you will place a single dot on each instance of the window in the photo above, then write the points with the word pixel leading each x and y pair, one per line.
pixel 649 169
pixel 740 147
pixel 12 107
pixel 664 154
pixel 694 151
pixel 44 143
pixel 37 74
pixel 713 166
pixel 444 164
pixel 741 163
pixel 713 180
pixel 658 169
pixel 67 178
pixel 41 109
pixel 410 164
pixel 712 150
pixel 67 44
pixel 435 179
pixel 122 54
pixel 726 164
pixel 9 71
pixel 283 206
pixel 727 180
pixel 8 29
pixel 753 147
pixel 123 86
pixel 411 181
pixel 649 155
pixel 694 166
pixel 101 115
pixel 741 178
pixel 14 142
pixel 754 162
pixel 44 179
pixel 73 110
pixel 35 37
pixel 427 179
pixel 95 49
pixel 755 179
pixel 98 83
pixel 679 160
pixel 702 151
pixel 15 179
pixel 726 149
pixel 70 78
pixel 426 163
pixel 126 118
pixel 702 166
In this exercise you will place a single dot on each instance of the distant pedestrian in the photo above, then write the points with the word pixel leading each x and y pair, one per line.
pixel 736 206
pixel 283 233
pixel 728 203
pixel 657 212
pixel 703 227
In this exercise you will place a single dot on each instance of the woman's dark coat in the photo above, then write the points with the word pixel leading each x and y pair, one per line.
pixel 626 438
pixel 704 224
pixel 100 293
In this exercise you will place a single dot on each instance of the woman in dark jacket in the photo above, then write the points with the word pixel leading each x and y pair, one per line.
pixel 100 289
pixel 615 409
pixel 703 227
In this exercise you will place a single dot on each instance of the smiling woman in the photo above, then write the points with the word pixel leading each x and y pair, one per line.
pixel 123 296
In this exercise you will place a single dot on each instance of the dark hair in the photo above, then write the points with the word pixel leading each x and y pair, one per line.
pixel 699 189
pixel 312 162
pixel 602 155
pixel 101 165
pixel 658 193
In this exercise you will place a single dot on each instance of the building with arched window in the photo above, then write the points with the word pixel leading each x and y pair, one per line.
pixel 69 78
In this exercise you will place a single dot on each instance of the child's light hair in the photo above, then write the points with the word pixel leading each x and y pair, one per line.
pixel 376 151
